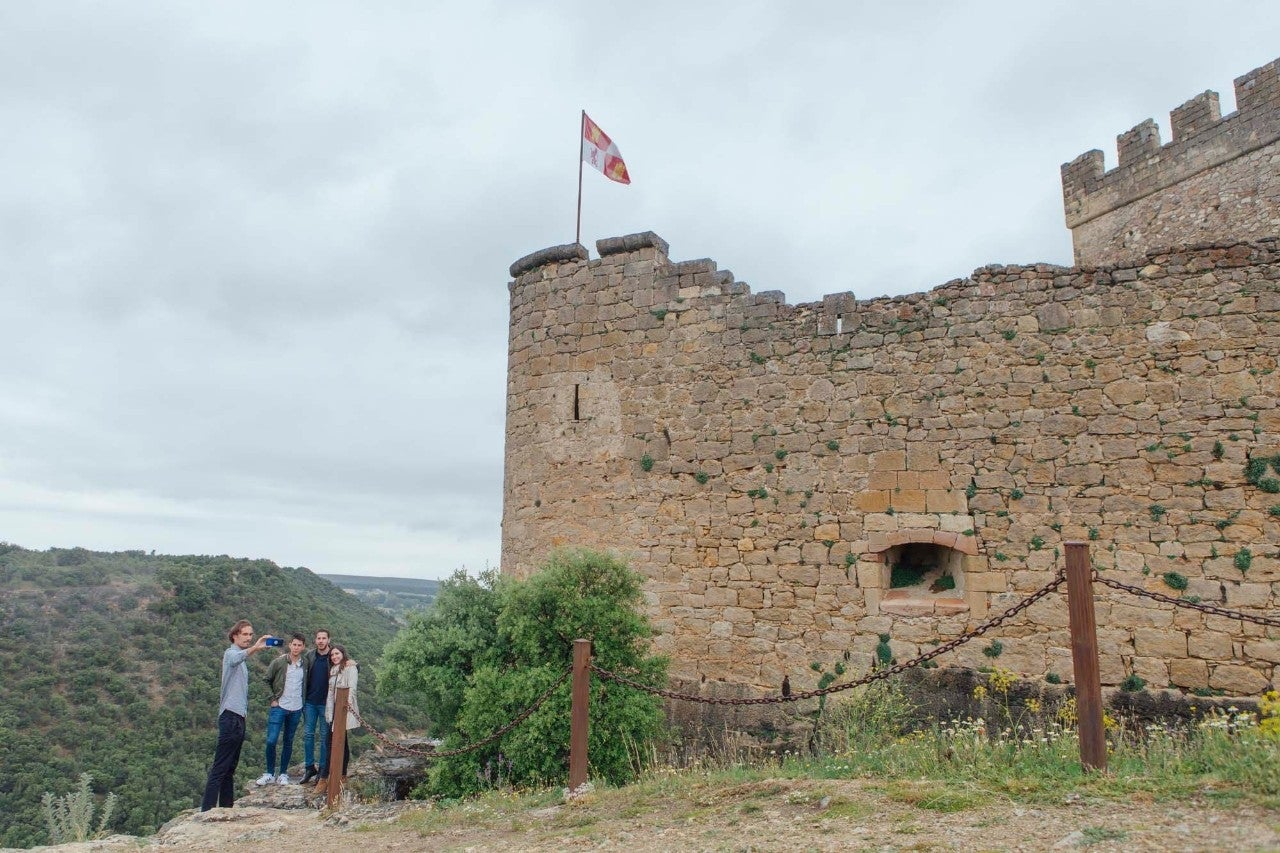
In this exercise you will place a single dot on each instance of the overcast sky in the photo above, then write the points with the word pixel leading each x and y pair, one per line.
pixel 254 255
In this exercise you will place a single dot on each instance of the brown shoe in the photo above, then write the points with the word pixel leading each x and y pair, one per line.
pixel 322 783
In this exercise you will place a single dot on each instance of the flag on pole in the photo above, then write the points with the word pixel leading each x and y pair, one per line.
pixel 598 150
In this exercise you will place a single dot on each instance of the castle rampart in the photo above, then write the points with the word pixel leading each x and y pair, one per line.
pixel 799 482
pixel 774 469
pixel 1218 176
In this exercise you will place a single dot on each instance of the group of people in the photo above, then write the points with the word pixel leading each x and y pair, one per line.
pixel 303 686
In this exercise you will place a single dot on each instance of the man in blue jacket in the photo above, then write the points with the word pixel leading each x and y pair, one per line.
pixel 219 789
pixel 315 691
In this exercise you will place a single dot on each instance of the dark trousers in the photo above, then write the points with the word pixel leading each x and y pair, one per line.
pixel 328 751
pixel 220 789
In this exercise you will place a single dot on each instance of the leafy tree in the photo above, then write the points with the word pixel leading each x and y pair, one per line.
pixel 433 658
pixel 576 594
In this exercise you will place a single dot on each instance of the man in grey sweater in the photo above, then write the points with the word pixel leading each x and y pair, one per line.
pixel 219 789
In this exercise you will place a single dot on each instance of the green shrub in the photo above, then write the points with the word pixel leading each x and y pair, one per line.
pixel 646 462
pixel 1243 559
pixel 574 594
pixel 1133 683
pixel 1173 580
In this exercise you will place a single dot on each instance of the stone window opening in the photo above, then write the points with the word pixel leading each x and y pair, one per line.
pixel 577 411
pixel 923 578
pixel 839 324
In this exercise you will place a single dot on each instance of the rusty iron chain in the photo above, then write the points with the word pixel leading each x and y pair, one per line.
pixel 1182 602
pixel 876 675
pixel 471 747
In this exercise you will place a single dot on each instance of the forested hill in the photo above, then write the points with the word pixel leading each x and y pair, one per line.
pixel 110 663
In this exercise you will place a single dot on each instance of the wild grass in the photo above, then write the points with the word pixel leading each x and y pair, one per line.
pixel 1020 753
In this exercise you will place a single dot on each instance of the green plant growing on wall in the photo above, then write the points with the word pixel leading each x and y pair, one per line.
pixel 849 559
pixel 702 477
pixel 901 575
pixel 971 490
pixel 1017 494
pixel 993 649
pixel 1037 542
pixel 943 583
pixel 756 357
pixel 646 462
pixel 1133 683
pixel 833 445
pixel 1173 580
pixel 779 455
pixel 1218 450
pixel 660 313
pixel 1255 473
pixel 1093 534
pixel 1053 678
pixel 884 652
pixel 1243 560
pixel 1157 512
pixel 1009 334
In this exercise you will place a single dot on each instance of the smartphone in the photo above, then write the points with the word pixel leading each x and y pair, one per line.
pixel 275 641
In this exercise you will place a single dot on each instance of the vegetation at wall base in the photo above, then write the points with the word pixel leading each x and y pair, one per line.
pixel 493 644
pixel 112 667
pixel 866 757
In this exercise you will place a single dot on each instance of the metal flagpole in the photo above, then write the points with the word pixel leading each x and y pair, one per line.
pixel 582 129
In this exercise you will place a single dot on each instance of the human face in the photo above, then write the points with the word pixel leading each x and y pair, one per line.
pixel 322 642
pixel 296 648
pixel 244 637
pixel 335 658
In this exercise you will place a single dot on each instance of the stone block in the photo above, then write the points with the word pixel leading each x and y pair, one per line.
pixel 1159 643
pixel 945 500
pixel 1189 673
pixel 908 500
pixel 889 460
pixel 877 501
pixel 1238 680
pixel 1209 645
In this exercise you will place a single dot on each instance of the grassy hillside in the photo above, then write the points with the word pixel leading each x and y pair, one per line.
pixel 109 663
pixel 397 597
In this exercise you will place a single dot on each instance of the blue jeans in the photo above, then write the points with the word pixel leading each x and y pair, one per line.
pixel 276 719
pixel 312 719
pixel 219 789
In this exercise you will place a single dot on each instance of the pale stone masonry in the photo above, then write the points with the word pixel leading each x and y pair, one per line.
pixel 1219 177
pixel 796 481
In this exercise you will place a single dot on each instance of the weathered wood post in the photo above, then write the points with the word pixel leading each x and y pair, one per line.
pixel 578 716
pixel 339 742
pixel 1084 657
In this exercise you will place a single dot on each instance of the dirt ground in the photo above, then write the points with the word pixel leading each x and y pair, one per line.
pixel 770 815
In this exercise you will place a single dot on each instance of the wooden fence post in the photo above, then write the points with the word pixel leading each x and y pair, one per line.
pixel 578 716
pixel 339 742
pixel 1084 657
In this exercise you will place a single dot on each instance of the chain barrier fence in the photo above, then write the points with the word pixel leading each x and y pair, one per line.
pixel 1185 603
pixel 875 675
pixel 1078 575
pixel 471 747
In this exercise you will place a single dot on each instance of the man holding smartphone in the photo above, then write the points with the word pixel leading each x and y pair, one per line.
pixel 285 677
pixel 219 789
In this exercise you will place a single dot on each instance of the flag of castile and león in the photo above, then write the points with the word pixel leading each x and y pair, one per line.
pixel 598 150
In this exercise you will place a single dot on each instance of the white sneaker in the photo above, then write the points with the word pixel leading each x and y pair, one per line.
pixel 283 779
pixel 264 779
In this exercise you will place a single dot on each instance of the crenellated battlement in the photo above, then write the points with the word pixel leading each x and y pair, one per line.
pixel 1213 177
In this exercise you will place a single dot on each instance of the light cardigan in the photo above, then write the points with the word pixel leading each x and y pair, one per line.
pixel 348 676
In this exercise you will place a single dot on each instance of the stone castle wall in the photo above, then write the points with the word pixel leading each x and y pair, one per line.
pixel 766 465
pixel 1217 177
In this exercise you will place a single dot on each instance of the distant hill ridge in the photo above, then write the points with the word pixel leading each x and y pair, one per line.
pixel 111 666
pixel 395 596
